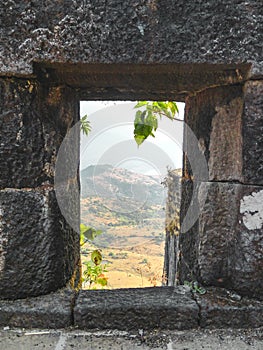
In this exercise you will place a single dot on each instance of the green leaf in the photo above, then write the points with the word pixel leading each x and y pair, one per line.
pixel 138 118
pixel 146 121
pixel 152 121
pixel 85 125
pixel 141 132
pixel 82 239
pixel 139 139
pixel 140 104
pixel 96 257
pixel 88 232
pixel 162 105
pixel 195 288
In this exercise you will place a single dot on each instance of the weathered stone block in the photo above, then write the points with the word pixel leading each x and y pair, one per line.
pixel 188 241
pixel 21 139
pixel 39 252
pixel 145 308
pixel 227 244
pixel 33 122
pixel 225 147
pixel 48 311
pixel 214 115
pixel 130 31
pixel 227 121
pixel 220 308
pixel 252 132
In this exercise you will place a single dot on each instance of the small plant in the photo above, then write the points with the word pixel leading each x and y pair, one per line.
pixel 94 273
pixel 195 288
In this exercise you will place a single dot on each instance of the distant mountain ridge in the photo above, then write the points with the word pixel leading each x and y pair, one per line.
pixel 106 181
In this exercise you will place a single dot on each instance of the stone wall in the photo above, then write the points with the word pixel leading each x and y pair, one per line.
pixel 225 247
pixel 166 31
pixel 39 252
pixel 53 53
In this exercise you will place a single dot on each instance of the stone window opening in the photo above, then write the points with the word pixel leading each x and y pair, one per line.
pixel 124 191
pixel 222 109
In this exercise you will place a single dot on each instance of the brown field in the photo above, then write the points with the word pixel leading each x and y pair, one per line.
pixel 133 252
pixel 132 262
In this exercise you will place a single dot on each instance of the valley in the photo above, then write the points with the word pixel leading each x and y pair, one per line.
pixel 129 209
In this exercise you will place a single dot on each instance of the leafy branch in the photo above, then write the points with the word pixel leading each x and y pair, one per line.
pixel 146 120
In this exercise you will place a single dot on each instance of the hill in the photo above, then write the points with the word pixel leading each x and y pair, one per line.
pixel 121 184
pixel 130 210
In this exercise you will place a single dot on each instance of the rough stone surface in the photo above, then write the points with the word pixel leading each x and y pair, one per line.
pixel 188 241
pixel 21 138
pixel 227 122
pixel 225 247
pixel 146 308
pixel 39 252
pixel 48 311
pixel 33 122
pixel 220 308
pixel 53 53
pixel 253 132
pixel 130 31
pixel 225 148
pixel 139 310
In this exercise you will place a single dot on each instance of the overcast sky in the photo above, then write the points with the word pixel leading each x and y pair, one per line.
pixel 111 139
